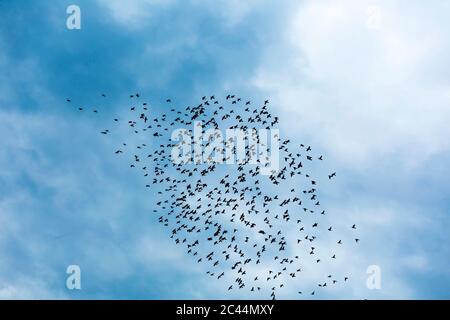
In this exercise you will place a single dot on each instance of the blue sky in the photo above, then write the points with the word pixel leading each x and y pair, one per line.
pixel 374 100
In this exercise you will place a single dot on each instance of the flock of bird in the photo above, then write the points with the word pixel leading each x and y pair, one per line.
pixel 256 232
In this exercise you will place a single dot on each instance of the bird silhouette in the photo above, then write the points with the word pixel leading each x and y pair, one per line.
pixel 230 218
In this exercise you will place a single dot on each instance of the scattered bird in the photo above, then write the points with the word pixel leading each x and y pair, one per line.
pixel 231 220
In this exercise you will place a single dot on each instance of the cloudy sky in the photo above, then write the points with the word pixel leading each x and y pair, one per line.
pixel 367 83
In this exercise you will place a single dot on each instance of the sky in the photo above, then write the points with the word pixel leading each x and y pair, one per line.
pixel 366 83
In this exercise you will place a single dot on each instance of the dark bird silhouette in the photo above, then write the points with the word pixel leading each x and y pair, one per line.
pixel 230 218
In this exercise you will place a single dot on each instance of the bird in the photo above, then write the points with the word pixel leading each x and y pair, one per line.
pixel 231 218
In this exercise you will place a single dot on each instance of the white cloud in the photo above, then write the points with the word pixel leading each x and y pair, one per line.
pixel 133 12
pixel 232 12
pixel 360 93
pixel 27 288
pixel 136 13
pixel 416 262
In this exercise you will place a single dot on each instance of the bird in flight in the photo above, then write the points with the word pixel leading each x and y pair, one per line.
pixel 231 218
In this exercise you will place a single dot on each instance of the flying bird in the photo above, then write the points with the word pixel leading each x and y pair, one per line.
pixel 230 218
